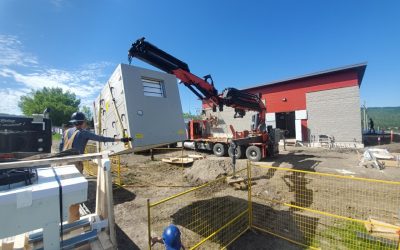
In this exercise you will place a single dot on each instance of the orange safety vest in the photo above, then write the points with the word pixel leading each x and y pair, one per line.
pixel 68 141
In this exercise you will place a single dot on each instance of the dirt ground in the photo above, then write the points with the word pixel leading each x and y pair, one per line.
pixel 155 180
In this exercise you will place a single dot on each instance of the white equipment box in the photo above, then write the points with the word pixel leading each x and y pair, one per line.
pixel 142 104
pixel 36 206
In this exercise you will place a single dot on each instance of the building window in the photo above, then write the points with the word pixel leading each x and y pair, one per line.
pixel 153 87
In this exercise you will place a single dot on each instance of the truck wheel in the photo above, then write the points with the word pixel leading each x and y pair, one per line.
pixel 239 152
pixel 253 153
pixel 219 149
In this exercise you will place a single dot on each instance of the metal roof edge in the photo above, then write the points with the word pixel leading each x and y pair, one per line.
pixel 359 66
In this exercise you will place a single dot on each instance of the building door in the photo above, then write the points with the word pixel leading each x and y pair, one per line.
pixel 286 121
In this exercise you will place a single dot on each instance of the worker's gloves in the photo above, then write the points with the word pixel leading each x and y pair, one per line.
pixel 126 139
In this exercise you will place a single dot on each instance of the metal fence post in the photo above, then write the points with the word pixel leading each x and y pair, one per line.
pixel 119 171
pixel 182 155
pixel 250 206
pixel 149 222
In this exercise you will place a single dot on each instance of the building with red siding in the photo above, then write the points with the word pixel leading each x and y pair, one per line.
pixel 311 108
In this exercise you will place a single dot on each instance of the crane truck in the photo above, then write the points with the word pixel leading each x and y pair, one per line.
pixel 256 143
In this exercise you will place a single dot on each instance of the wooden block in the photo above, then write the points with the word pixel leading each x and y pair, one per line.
pixel 105 241
pixel 381 229
pixel 234 179
pixel 243 186
pixel 390 163
pixel 20 242
pixel 7 243
pixel 236 186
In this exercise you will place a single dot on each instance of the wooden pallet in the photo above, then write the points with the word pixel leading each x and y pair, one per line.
pixel 178 160
pixel 196 157
pixel 19 242
pixel 390 163
pixel 382 229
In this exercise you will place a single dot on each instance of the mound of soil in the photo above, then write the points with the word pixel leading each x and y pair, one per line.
pixel 207 170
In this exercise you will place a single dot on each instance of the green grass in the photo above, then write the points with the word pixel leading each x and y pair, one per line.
pixel 343 235
pixel 56 137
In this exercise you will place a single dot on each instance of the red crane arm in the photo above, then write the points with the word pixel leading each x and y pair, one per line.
pixel 241 101
pixel 207 89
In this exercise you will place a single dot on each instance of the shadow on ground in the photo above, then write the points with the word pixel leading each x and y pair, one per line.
pixel 255 240
pixel 298 161
pixel 124 242
pixel 122 195
pixel 212 214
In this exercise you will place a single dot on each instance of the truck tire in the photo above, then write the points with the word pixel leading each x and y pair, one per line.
pixel 253 153
pixel 239 152
pixel 219 149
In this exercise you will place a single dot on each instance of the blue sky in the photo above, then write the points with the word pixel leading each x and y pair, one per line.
pixel 76 45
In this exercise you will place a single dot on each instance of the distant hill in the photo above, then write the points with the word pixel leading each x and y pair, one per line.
pixel 385 117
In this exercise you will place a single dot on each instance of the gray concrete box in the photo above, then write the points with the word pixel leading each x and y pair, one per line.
pixel 148 107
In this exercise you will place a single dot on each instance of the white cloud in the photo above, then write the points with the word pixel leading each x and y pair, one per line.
pixel 10 99
pixel 86 81
pixel 82 82
pixel 11 52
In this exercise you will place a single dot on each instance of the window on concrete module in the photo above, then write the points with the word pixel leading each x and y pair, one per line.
pixel 153 87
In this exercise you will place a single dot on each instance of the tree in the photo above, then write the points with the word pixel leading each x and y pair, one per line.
pixel 88 114
pixel 62 104
pixel 191 116
pixel 87 111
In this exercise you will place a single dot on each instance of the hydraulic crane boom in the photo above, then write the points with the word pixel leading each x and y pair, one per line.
pixel 154 56
pixel 239 100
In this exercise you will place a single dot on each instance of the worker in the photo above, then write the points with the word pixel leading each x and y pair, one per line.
pixel 76 138
pixel 371 126
pixel 171 238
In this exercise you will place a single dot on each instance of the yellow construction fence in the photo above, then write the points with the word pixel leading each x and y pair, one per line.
pixel 207 219
pixel 310 209
pixel 90 167
pixel 325 211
